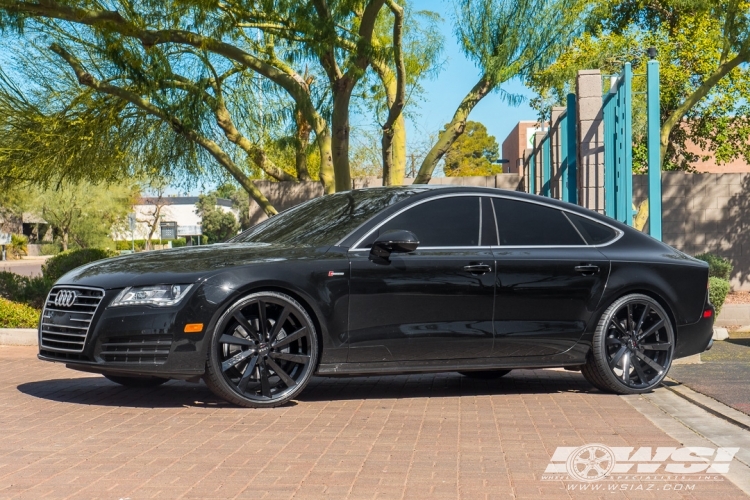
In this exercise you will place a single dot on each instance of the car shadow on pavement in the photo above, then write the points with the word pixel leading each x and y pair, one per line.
pixel 99 391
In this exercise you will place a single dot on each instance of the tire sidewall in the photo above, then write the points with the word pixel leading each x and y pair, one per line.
pixel 214 368
pixel 599 347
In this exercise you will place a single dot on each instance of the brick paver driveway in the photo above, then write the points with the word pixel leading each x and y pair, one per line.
pixel 65 433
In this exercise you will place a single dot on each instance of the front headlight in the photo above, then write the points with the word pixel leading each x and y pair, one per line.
pixel 154 295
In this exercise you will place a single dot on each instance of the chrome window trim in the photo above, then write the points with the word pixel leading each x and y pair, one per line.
pixel 619 233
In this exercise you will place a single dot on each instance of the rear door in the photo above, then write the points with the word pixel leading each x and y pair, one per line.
pixel 549 279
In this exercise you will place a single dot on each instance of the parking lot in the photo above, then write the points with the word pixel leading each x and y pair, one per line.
pixel 69 434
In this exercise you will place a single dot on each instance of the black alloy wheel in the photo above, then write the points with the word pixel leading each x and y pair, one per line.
pixel 632 348
pixel 263 351
pixel 485 374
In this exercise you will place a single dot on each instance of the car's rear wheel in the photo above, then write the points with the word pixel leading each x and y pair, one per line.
pixel 632 347
pixel 136 381
pixel 485 374
pixel 263 351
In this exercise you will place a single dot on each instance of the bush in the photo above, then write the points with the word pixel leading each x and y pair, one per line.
pixel 30 291
pixel 718 267
pixel 66 261
pixel 49 249
pixel 179 242
pixel 140 245
pixel 19 246
pixel 717 292
pixel 15 315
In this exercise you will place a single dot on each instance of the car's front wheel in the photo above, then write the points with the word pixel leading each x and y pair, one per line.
pixel 632 347
pixel 263 351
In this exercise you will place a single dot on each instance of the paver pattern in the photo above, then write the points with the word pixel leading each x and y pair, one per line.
pixel 72 434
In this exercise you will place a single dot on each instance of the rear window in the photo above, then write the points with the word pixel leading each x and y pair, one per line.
pixel 593 232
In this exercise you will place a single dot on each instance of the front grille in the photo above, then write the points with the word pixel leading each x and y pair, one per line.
pixel 64 328
pixel 140 349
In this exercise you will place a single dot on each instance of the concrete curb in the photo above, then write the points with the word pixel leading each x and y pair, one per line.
pixel 19 336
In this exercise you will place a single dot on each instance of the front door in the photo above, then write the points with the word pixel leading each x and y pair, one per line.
pixel 433 303
pixel 549 280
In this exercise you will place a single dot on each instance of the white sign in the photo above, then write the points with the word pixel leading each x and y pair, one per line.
pixel 5 239
pixel 189 230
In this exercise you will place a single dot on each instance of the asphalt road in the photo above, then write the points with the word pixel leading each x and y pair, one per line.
pixel 29 266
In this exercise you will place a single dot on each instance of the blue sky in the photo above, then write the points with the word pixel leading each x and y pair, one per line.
pixel 458 75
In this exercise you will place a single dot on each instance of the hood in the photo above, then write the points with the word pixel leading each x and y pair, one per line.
pixel 180 265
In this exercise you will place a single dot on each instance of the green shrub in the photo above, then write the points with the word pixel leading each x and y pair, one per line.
pixel 140 245
pixel 30 291
pixel 49 249
pixel 718 267
pixel 717 292
pixel 15 315
pixel 19 246
pixel 179 242
pixel 66 261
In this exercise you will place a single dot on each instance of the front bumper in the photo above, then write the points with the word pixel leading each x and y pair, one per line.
pixel 142 340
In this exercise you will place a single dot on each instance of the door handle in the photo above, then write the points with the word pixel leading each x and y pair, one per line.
pixel 478 268
pixel 587 269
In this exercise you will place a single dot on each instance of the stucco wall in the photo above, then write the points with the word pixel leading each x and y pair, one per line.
pixel 283 195
pixel 706 213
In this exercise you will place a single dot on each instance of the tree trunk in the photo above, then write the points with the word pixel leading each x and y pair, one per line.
pixel 394 153
pixel 65 239
pixel 301 143
pixel 454 129
pixel 340 141
pixel 323 138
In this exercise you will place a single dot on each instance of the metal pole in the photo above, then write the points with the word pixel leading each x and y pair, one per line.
pixel 532 173
pixel 564 157
pixel 546 152
pixel 609 154
pixel 654 152
pixel 572 195
pixel 628 143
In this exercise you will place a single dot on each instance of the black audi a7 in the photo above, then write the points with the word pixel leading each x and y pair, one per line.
pixel 388 281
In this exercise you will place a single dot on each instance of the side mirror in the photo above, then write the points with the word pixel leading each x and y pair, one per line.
pixel 394 240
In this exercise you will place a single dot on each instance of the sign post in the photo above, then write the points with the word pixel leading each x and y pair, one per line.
pixel 131 222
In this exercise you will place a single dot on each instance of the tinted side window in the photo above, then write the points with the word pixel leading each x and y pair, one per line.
pixel 445 222
pixel 593 232
pixel 526 224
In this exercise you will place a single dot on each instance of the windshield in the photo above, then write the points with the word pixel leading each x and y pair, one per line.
pixel 325 220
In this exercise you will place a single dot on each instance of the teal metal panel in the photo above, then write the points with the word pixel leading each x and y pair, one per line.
pixel 546 152
pixel 610 100
pixel 627 179
pixel 564 156
pixel 654 151
pixel 532 174
pixel 571 194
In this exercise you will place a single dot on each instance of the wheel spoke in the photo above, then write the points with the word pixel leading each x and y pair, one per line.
pixel 230 339
pixel 619 327
pixel 245 324
pixel 626 368
pixel 289 381
pixel 242 386
pixel 262 320
pixel 279 324
pixel 640 372
pixel 646 310
pixel 618 355
pixel 659 346
pixel 613 341
pixel 265 386
pixel 650 362
pixel 236 359
pixel 302 332
pixel 294 358
pixel 652 329
pixel 630 318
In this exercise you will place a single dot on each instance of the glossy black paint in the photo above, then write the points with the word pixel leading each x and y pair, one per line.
pixel 433 309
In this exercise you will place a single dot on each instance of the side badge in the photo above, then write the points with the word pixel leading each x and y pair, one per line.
pixel 332 273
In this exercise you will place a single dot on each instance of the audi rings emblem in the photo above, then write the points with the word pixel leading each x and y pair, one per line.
pixel 65 298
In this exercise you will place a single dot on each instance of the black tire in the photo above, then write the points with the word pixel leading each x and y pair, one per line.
pixel 632 348
pixel 263 351
pixel 138 382
pixel 486 374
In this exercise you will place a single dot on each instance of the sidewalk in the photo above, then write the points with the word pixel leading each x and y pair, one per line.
pixel 724 373
pixel 27 266
pixel 69 434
